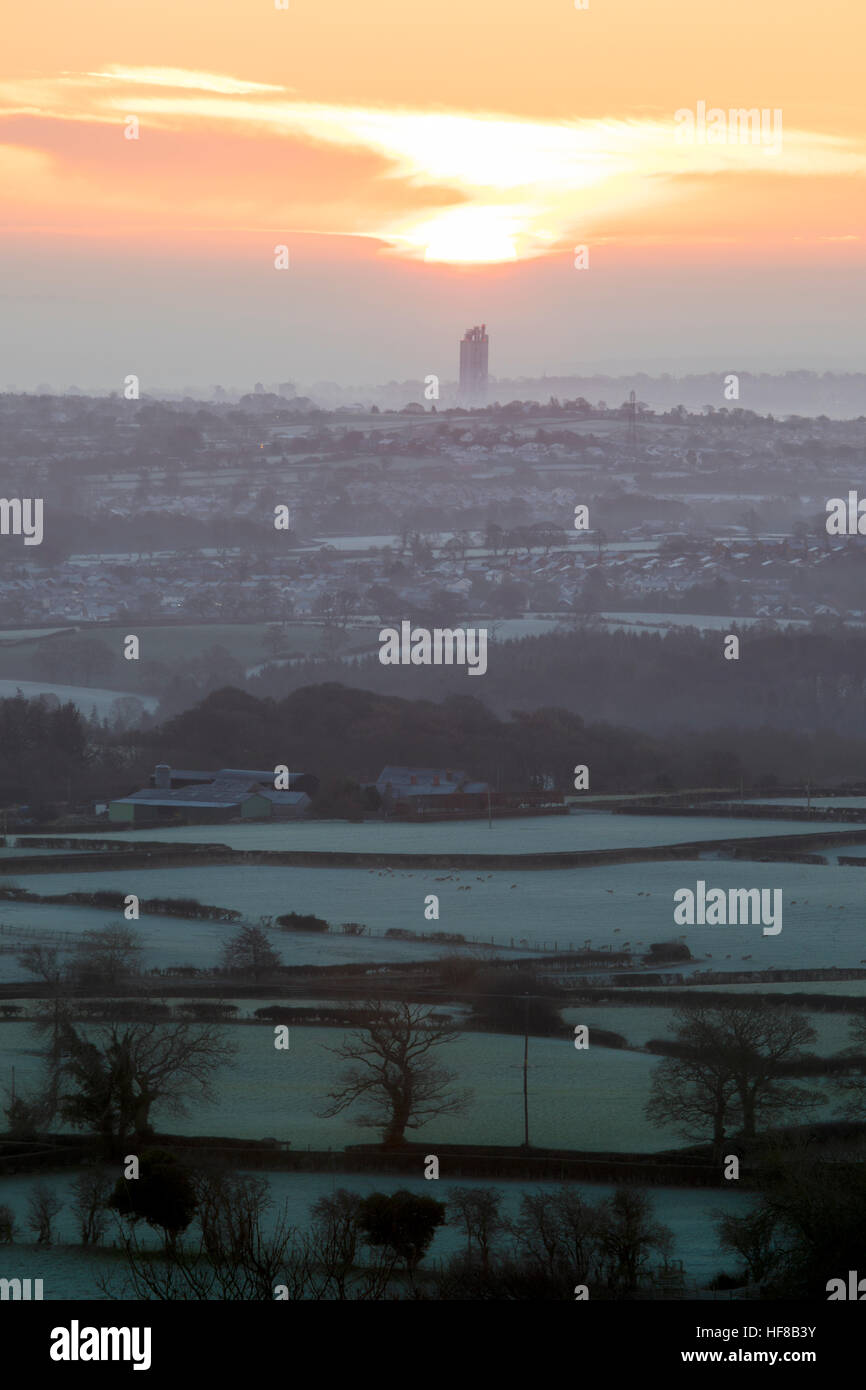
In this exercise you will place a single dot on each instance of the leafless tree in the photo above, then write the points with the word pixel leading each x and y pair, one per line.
pixel 44 962
pixel 390 1069
pixel 242 1252
pixel 476 1209
pixel 42 1207
pixel 695 1094
pixel 8 1229
pixel 110 1078
pixel 106 956
pixel 559 1233
pixel 345 1266
pixel 249 952
pixel 629 1236
pixel 731 1068
pixel 752 1236
pixel 91 1189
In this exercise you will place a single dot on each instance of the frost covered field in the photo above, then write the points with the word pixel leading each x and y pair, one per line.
pixel 573 1102
pixel 608 905
pixel 70 1272
pixel 177 941
pixel 580 830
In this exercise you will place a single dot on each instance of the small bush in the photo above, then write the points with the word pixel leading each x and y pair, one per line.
pixel 302 921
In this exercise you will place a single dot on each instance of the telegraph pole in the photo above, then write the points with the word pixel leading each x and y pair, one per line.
pixel 526 1072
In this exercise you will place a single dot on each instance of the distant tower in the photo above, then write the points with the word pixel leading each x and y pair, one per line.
pixel 473 366
pixel 632 424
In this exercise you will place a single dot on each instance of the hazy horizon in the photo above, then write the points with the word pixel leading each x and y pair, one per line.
pixel 426 171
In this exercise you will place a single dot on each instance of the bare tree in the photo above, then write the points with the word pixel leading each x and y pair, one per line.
pixel 337 1236
pixel 110 1079
pixel 694 1094
pixel 236 1260
pixel 752 1236
pixel 760 1039
pixel 629 1236
pixel 106 956
pixel 44 962
pixel 244 1251
pixel 730 1067
pixel 42 1207
pixel 476 1209
pixel 337 1242
pixel 249 952
pixel 8 1229
pixel 558 1233
pixel 391 1070
pixel 91 1190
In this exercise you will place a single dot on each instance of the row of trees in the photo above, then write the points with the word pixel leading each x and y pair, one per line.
pixel 91 1192
pixel 107 1079
pixel 804 1229
pixel 361 1247
pixel 732 1067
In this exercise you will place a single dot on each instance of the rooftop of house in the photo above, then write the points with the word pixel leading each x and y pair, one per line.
pixel 228 791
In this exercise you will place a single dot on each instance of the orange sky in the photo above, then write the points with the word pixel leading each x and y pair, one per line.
pixel 466 131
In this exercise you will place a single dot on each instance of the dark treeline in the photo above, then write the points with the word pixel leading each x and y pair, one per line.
pixel 798 680
pixel 103 897
pixel 345 735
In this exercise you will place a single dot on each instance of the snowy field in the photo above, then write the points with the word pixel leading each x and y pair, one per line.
pixel 72 1273
pixel 580 830
pixel 610 906
pixel 590 1099
pixel 583 1100
pixel 177 941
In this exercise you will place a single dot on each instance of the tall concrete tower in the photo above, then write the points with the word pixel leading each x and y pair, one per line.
pixel 473 366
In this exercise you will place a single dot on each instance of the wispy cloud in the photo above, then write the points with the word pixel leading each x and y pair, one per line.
pixel 501 187
pixel 182 78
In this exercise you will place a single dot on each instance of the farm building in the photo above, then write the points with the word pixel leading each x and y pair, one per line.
pixel 419 789
pixel 187 798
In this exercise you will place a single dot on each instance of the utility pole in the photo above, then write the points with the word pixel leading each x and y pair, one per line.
pixel 489 810
pixel 526 1072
